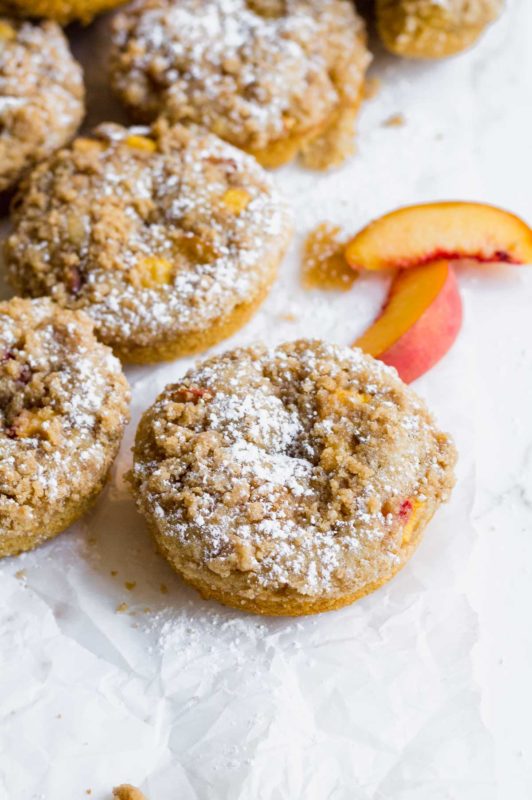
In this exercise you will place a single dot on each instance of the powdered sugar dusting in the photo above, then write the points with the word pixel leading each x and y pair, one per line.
pixel 135 208
pixel 287 467
pixel 41 95
pixel 63 404
pixel 253 71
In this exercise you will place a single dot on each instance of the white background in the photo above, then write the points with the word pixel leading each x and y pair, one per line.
pixel 419 691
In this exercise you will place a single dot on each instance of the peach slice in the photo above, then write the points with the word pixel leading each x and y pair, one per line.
pixel 419 321
pixel 417 235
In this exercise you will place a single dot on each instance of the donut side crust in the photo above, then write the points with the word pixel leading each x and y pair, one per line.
pixel 291 605
pixel 288 596
pixel 50 523
pixel 198 341
pixel 428 29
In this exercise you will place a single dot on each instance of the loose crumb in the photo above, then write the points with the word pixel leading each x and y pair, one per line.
pixel 324 264
pixel 288 316
pixel 122 608
pixel 395 121
pixel 130 585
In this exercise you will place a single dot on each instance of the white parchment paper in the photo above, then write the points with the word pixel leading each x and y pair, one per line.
pixel 111 670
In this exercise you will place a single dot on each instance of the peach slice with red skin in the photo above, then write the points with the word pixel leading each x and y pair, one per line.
pixel 416 235
pixel 418 323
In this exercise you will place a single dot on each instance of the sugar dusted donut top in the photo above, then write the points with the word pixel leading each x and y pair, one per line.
pixel 287 469
pixel 41 94
pixel 63 407
pixel 252 71
pixel 152 232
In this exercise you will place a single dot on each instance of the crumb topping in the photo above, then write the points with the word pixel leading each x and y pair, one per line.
pixel 252 71
pixel 41 94
pixel 324 263
pixel 63 406
pixel 434 28
pixel 288 468
pixel 152 231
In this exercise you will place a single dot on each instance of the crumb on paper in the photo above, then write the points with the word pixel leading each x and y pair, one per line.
pixel 372 87
pixel 130 585
pixel 114 573
pixel 163 588
pixel 122 608
pixel 288 316
pixel 395 121
pixel 128 792
pixel 20 574
pixel 324 264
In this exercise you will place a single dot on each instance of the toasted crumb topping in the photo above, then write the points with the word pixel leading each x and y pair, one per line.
pixel 152 231
pixel 252 71
pixel 41 95
pixel 434 28
pixel 293 469
pixel 63 407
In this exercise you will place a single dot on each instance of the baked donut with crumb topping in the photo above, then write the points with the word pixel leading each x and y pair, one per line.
pixel 433 28
pixel 274 77
pixel 41 95
pixel 169 238
pixel 63 408
pixel 290 480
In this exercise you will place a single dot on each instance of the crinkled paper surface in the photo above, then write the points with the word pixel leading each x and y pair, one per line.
pixel 113 671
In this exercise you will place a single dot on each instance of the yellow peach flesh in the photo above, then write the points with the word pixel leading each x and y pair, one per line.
pixel 409 298
pixel 141 143
pixel 417 235
pixel 236 199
